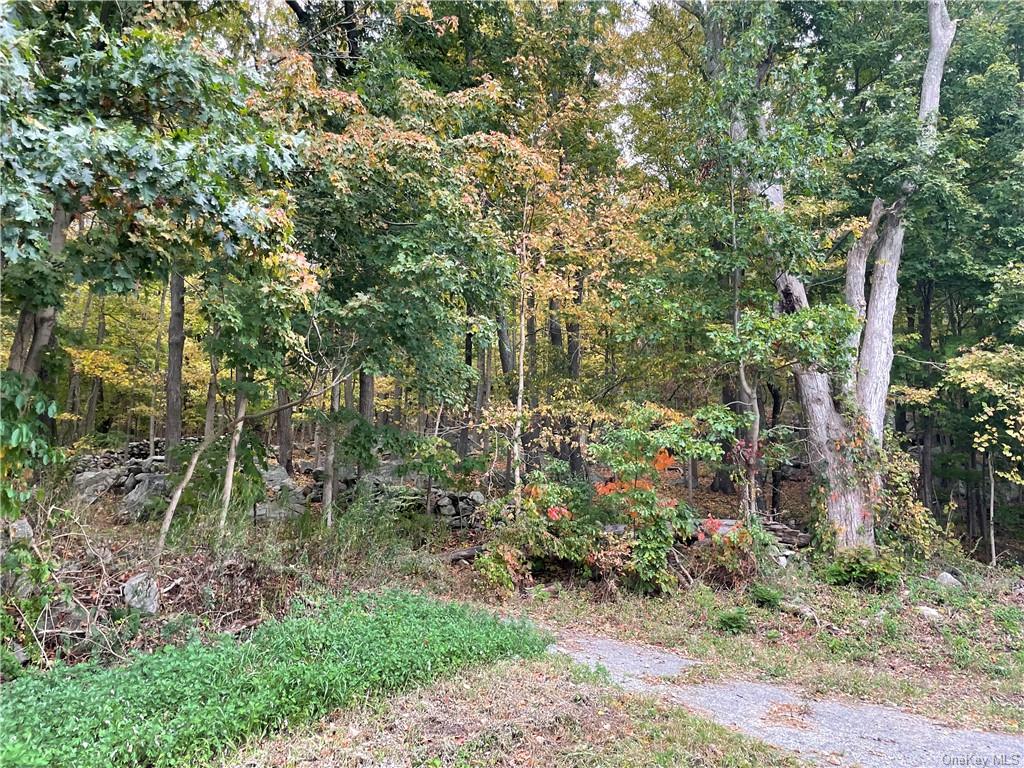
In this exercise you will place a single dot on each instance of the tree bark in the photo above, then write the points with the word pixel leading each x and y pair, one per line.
pixel 366 395
pixel 241 401
pixel 284 431
pixel 35 326
pixel 96 391
pixel 210 420
pixel 158 354
pixel 832 434
pixel 330 469
pixel 175 359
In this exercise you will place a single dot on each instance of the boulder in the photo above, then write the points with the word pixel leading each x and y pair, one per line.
pixel 21 530
pixel 477 498
pixel 89 486
pixel 141 593
pixel 949 581
pixel 280 508
pixel 929 613
pixel 63 617
pixel 145 487
pixel 276 477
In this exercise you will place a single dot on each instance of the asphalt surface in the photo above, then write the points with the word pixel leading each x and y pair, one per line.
pixel 819 731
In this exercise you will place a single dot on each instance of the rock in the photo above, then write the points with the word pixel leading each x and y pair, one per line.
pixel 89 486
pixel 21 530
pixel 477 498
pixel 146 486
pixel 949 580
pixel 63 617
pixel 141 593
pixel 929 613
pixel 20 655
pixel 279 509
pixel 782 560
pixel 276 477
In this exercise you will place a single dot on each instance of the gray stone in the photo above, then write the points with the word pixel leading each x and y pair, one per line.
pixel 89 486
pixel 64 617
pixel 929 613
pixel 20 655
pixel 288 503
pixel 21 530
pixel 141 593
pixel 145 487
pixel 477 498
pixel 276 477
pixel 949 580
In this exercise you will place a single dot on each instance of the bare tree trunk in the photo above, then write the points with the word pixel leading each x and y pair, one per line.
pixel 555 326
pixel 241 401
pixel 366 395
pixel 210 421
pixel 284 431
pixel 832 436
pixel 991 513
pixel 157 362
pixel 330 468
pixel 350 393
pixel 74 401
pixel 175 358
pixel 35 326
pixel 462 447
pixel 96 390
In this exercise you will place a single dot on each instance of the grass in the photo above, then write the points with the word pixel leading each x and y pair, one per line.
pixel 185 705
pixel 861 644
pixel 548 712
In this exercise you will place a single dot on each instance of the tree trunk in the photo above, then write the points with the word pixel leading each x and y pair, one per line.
pixel 284 431
pixel 157 363
pixel 366 395
pixel 462 447
pixel 35 326
pixel 175 358
pixel 350 393
pixel 835 446
pixel 210 420
pixel 330 470
pixel 74 401
pixel 96 391
pixel 241 401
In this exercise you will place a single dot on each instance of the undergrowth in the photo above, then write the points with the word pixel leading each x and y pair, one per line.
pixel 185 705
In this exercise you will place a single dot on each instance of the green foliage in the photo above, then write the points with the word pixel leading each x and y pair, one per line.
pixel 864 568
pixel 384 522
pixel 766 596
pixel 734 621
pixel 24 445
pixel 185 705
pixel 203 493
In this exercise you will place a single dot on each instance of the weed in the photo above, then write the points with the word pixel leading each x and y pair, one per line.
pixel 864 568
pixel 183 706
pixel 766 596
pixel 734 621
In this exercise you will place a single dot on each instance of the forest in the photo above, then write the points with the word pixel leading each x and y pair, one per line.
pixel 511 382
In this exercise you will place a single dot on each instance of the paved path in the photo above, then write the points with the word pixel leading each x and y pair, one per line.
pixel 818 730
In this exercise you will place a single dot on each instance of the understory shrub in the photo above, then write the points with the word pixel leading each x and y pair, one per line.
pixel 185 705
pixel 624 529
pixel 864 568
pixel 734 621
pixel 766 596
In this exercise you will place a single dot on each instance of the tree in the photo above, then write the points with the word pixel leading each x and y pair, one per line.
pixel 846 418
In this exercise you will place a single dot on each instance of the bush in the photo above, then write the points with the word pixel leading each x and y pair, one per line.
pixel 864 568
pixel 765 596
pixel 733 621
pixel 183 706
